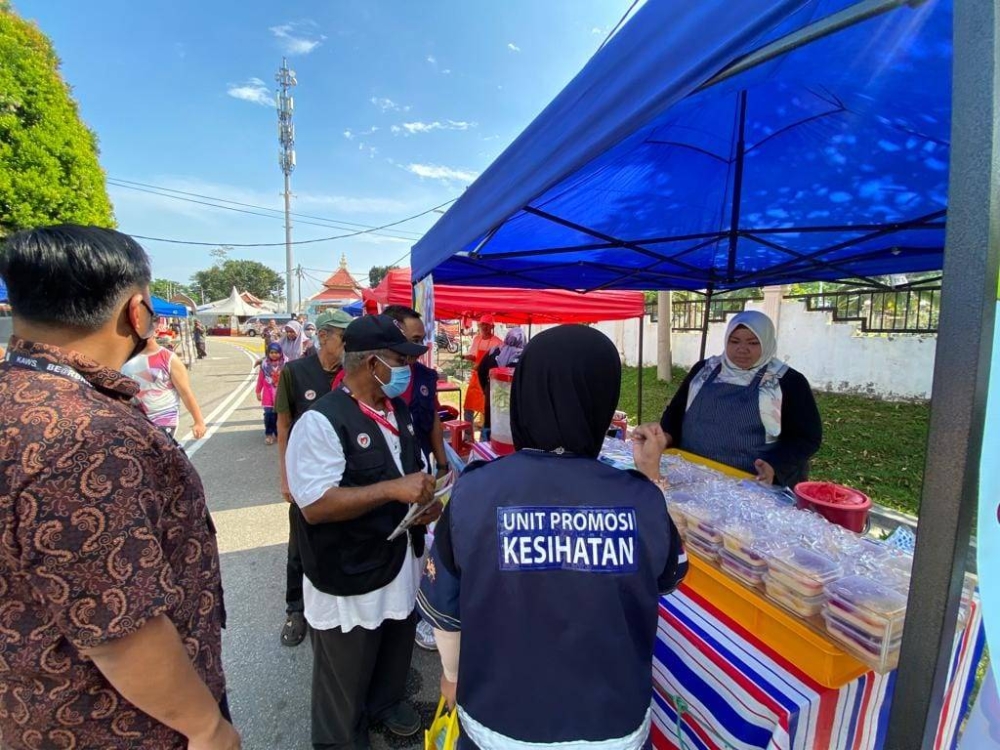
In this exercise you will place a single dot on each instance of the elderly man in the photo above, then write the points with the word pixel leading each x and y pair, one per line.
pixel 354 465
pixel 110 594
pixel 302 383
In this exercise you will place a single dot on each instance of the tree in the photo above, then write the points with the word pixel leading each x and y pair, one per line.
pixel 49 172
pixel 246 275
pixel 165 288
pixel 377 273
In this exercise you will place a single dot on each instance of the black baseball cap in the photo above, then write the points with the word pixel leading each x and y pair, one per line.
pixel 371 332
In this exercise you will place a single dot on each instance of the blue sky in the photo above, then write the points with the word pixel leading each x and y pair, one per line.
pixel 400 104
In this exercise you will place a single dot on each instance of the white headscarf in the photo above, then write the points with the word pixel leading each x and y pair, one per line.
pixel 770 389
pixel 760 326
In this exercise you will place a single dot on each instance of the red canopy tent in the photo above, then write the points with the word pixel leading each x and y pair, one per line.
pixel 521 306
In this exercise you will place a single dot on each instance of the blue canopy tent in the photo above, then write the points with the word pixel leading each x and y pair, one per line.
pixel 652 170
pixel 726 145
pixel 357 309
pixel 168 309
pixel 3 291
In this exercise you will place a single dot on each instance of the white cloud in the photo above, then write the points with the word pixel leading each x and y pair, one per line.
pixel 395 129
pixel 349 135
pixel 513 47
pixel 254 90
pixel 298 37
pixel 432 60
pixel 437 172
pixel 426 127
pixel 388 105
pixel 447 71
pixel 597 30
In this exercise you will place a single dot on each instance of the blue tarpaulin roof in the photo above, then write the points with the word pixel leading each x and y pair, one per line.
pixel 3 291
pixel 825 161
pixel 168 309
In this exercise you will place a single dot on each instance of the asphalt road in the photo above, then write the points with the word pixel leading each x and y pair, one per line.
pixel 269 684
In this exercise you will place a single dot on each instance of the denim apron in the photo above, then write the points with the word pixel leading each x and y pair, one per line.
pixel 723 423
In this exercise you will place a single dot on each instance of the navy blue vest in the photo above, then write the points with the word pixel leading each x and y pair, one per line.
pixel 560 559
pixel 423 405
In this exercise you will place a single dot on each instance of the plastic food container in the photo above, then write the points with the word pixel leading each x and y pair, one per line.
pixel 880 654
pixel 841 505
pixel 868 606
pixel 739 541
pixel 704 521
pixel 804 606
pixel 748 574
pixel 804 571
pixel 501 383
pixel 701 546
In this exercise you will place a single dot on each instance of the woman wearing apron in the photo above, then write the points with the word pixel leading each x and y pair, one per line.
pixel 747 409
pixel 475 401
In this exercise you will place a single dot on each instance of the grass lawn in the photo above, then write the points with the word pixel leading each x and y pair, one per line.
pixel 876 446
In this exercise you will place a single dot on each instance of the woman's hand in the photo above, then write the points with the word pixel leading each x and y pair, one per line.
pixel 765 472
pixel 648 443
pixel 450 692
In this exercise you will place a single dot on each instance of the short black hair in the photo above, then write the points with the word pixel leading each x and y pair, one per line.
pixel 71 275
pixel 401 313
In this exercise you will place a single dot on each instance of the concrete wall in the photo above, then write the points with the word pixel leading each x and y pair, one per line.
pixel 835 357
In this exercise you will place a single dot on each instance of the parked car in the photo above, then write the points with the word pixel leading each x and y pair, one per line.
pixel 255 326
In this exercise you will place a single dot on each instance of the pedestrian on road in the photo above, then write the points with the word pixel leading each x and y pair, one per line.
pixel 301 383
pixel 421 398
pixel 163 383
pixel 112 601
pixel 291 342
pixel 199 339
pixel 267 388
pixel 354 465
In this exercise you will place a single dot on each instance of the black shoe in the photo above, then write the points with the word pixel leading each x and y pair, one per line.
pixel 402 720
pixel 294 630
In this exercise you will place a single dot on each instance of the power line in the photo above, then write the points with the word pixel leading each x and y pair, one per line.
pixel 297 242
pixel 143 187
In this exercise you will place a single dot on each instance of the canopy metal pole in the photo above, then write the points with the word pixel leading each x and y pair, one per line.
pixel 961 378
pixel 642 321
pixel 704 321
pixel 734 221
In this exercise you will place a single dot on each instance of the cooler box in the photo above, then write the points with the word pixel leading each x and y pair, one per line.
pixel 501 383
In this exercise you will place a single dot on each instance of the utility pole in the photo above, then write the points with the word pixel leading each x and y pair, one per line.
pixel 286 158
pixel 298 272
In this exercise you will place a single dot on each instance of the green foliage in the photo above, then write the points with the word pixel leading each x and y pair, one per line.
pixel 165 288
pixel 49 172
pixel 377 273
pixel 246 275
pixel 876 446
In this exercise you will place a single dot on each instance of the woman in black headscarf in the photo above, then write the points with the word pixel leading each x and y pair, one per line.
pixel 549 564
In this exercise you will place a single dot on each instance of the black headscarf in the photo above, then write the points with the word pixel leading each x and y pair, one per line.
pixel 565 391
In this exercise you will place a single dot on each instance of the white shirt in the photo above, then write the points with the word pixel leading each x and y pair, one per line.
pixel 315 462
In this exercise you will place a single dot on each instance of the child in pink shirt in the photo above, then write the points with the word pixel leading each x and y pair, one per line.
pixel 267 387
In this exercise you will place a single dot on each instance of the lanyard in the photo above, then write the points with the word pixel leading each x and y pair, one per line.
pixel 31 363
pixel 373 415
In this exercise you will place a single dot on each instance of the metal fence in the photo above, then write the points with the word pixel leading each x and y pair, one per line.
pixel 689 315
pixel 913 310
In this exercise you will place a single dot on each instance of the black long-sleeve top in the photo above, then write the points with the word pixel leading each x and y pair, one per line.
pixel 801 426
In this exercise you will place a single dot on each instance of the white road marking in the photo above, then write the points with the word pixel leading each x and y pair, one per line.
pixel 225 409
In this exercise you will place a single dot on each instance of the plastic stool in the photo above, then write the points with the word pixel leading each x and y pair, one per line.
pixel 459 433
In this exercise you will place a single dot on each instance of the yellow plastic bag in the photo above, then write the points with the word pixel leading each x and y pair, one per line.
pixel 443 734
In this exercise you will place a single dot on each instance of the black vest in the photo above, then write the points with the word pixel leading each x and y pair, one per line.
pixel 423 405
pixel 310 382
pixel 350 558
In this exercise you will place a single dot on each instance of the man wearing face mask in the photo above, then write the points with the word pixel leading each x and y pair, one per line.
pixel 302 383
pixel 108 557
pixel 354 465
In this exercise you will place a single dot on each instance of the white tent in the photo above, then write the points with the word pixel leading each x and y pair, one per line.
pixel 233 305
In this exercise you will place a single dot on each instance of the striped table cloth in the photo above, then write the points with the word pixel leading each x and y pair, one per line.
pixel 717 687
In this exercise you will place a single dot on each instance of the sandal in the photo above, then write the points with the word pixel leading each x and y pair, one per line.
pixel 294 630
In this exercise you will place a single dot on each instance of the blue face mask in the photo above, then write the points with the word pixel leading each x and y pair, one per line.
pixel 315 340
pixel 399 381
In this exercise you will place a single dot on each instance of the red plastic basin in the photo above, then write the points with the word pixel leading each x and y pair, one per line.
pixel 844 506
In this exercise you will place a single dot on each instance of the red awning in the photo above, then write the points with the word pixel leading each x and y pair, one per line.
pixel 538 306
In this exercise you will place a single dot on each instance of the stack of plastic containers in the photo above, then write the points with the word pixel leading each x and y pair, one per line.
pixel 744 550
pixel 703 535
pixel 796 578
pixel 867 618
